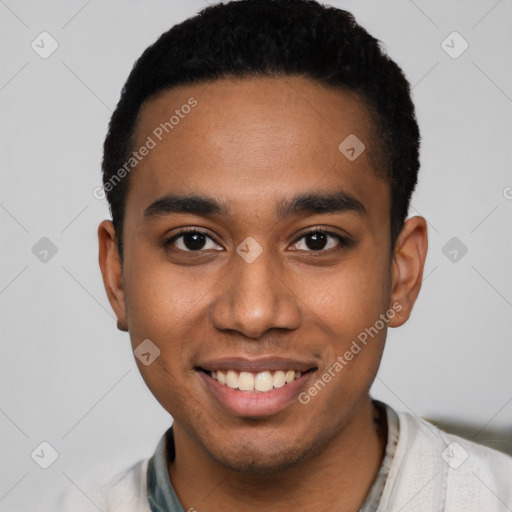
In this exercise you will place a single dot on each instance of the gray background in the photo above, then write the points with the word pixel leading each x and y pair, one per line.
pixel 68 376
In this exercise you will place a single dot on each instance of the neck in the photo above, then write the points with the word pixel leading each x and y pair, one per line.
pixel 339 478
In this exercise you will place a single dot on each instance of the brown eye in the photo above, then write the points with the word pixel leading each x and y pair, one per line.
pixel 320 241
pixel 191 241
pixel 316 241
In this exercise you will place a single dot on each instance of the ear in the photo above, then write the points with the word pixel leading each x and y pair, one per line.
pixel 112 271
pixel 407 267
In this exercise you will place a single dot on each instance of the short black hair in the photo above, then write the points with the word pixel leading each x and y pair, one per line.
pixel 273 38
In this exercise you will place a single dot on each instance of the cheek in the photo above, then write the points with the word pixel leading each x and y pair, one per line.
pixel 161 296
pixel 346 306
pixel 163 306
pixel 350 296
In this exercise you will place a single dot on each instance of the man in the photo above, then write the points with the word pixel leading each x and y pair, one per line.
pixel 259 168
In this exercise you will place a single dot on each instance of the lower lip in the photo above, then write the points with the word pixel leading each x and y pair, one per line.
pixel 255 403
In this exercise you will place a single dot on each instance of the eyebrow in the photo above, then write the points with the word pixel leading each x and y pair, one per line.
pixel 322 202
pixel 195 204
pixel 308 203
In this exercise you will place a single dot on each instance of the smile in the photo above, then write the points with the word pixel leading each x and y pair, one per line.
pixel 255 388
pixel 260 382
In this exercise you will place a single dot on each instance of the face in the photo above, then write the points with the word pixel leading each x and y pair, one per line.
pixel 255 254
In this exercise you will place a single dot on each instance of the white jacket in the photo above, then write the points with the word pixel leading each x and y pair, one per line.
pixel 431 472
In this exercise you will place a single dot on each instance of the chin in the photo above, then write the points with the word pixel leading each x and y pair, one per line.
pixel 264 458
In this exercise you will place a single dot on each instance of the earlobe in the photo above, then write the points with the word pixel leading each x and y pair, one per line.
pixel 112 271
pixel 407 267
pixel 121 326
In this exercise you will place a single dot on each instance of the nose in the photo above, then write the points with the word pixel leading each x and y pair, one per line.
pixel 255 297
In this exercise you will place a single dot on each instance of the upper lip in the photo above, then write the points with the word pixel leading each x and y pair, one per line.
pixel 256 365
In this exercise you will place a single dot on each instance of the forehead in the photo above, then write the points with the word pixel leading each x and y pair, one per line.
pixel 262 138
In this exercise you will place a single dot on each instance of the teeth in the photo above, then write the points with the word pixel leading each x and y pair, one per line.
pixel 263 382
pixel 289 377
pixel 232 379
pixel 279 379
pixel 247 381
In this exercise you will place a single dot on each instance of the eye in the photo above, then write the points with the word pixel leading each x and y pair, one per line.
pixel 315 240
pixel 192 240
pixel 318 240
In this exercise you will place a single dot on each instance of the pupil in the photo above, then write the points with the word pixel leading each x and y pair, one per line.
pixel 318 241
pixel 194 241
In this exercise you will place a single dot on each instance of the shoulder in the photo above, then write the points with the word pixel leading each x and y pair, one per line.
pixel 446 471
pixel 124 492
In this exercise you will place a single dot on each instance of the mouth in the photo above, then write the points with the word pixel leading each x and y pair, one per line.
pixel 261 382
pixel 255 388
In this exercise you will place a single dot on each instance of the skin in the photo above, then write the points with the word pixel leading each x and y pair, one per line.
pixel 253 143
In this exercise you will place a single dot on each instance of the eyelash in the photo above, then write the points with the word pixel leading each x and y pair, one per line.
pixel 343 241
